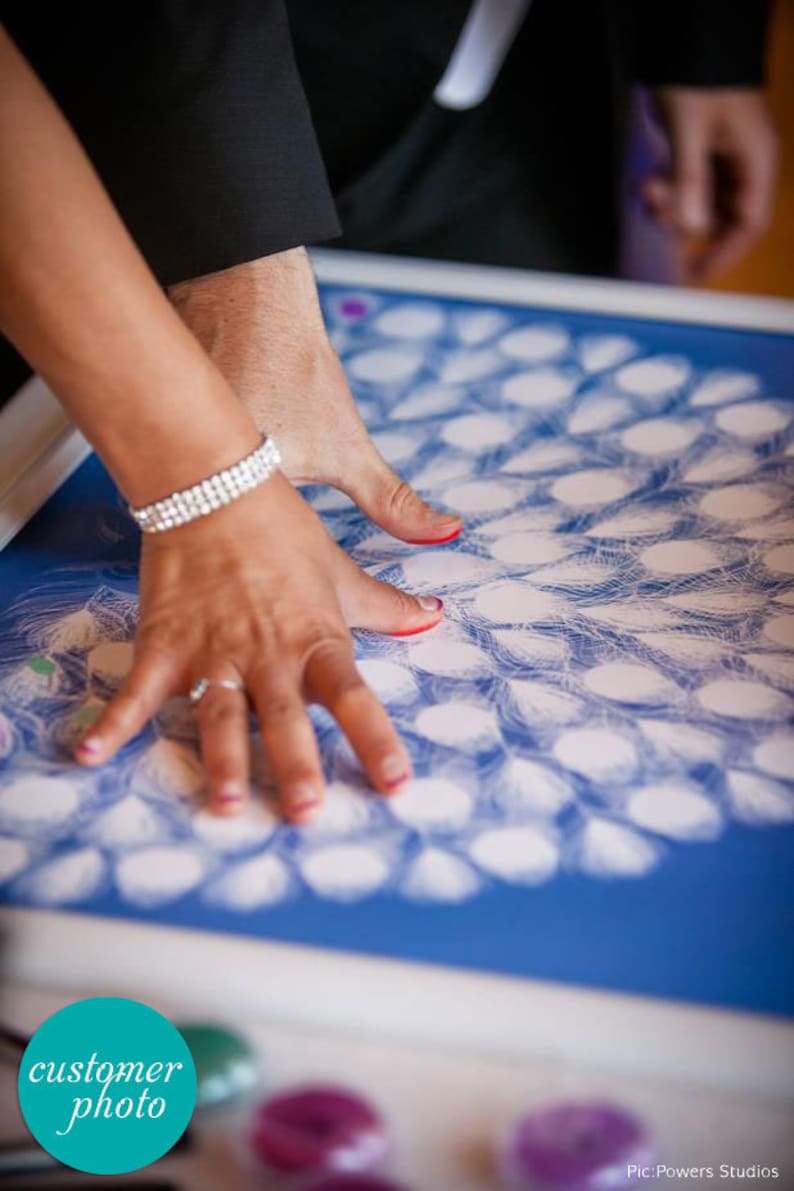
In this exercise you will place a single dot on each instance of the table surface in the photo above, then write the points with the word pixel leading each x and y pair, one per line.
pixel 446 1105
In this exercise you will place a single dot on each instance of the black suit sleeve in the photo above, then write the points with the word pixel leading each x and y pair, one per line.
pixel 699 43
pixel 193 114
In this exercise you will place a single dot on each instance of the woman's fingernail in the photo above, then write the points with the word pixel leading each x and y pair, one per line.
pixel 230 793
pixel 90 746
pixel 430 603
pixel 303 800
pixel 394 772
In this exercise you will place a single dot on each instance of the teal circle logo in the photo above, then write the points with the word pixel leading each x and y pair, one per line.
pixel 107 1085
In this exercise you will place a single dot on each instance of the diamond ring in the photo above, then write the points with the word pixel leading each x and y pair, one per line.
pixel 202 685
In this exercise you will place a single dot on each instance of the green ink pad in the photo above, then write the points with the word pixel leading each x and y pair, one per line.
pixel 226 1064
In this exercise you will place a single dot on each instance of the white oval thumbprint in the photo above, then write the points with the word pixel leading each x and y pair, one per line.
pixel 130 822
pixel 261 881
pixel 592 487
pixel 529 787
pixel 432 804
pixel 757 800
pixel 345 811
pixel 599 412
pixel 720 387
pixel 720 465
pixel 171 768
pixel 599 352
pixel 70 878
pixel 427 402
pixel 539 388
pixel 780 629
pixel 687 648
pixel 538 702
pixel 38 804
pixel 235 833
pixel 14 857
pixel 384 366
pixel 479 496
pixel 544 456
pixel 679 812
pixel 635 523
pixel 431 570
pixel 536 649
pixel 525 855
pixel 676 741
pixel 601 754
pixel 390 681
pixel 395 447
pixel 515 603
pixel 609 849
pixel 410 320
pixel 742 700
pixel 655 376
pixel 345 872
pixel 476 326
pixel 459 724
pixel 439 876
pixel 775 755
pixel 458 659
pixel 462 367
pixel 630 682
pixel 660 436
pixel 477 432
pixel 682 557
pixel 753 419
pixel 535 344
pixel 780 560
pixel 531 549
pixel 151 877
pixel 741 502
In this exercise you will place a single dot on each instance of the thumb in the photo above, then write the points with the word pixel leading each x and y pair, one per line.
pixel 394 505
pixel 367 603
pixel 691 179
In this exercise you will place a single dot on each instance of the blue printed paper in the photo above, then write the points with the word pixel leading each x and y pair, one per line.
pixel 601 730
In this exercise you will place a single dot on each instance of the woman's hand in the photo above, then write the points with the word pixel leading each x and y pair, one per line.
pixel 259 593
pixel 261 325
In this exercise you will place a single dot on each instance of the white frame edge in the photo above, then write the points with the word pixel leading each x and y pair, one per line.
pixel 204 972
pixel 521 287
pixel 39 449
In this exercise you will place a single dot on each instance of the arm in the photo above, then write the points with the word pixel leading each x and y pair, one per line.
pixel 255 591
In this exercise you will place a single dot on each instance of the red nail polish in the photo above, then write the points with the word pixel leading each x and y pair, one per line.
pixel 397 781
pixel 89 745
pixel 436 541
pixel 424 628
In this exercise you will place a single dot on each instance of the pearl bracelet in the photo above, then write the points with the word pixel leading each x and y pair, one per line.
pixel 213 493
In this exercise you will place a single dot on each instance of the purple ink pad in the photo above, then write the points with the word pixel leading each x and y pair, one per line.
pixel 575 1147
pixel 322 1128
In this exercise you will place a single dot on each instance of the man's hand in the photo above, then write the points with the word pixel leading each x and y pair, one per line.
pixel 719 192
pixel 261 324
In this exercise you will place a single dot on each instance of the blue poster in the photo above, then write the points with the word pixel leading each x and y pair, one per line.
pixel 602 729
